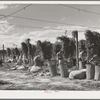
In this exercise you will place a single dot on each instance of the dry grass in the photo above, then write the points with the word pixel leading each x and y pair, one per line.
pixel 23 80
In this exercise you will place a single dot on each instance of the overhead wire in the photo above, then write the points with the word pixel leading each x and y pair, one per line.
pixel 48 21
pixel 4 16
pixel 12 15
pixel 80 9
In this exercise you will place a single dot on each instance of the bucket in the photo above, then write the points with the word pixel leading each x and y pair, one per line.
pixel 90 71
pixel 63 68
pixel 53 67
pixel 80 65
pixel 97 72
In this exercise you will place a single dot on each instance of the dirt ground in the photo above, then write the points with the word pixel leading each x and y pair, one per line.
pixel 24 80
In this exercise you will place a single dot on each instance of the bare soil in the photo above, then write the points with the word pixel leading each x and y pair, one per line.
pixel 24 80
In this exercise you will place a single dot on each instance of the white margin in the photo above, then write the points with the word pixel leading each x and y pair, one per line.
pixel 50 2
pixel 34 94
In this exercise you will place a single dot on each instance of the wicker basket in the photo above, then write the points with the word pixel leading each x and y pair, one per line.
pixel 63 68
pixel 90 71
pixel 81 65
pixel 53 67
pixel 97 72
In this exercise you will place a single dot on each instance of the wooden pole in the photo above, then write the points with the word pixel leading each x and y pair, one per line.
pixel 29 56
pixel 28 53
pixel 77 51
pixel 87 53
pixel 3 52
pixel 75 35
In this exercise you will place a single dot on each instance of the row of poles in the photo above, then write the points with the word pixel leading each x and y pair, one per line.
pixel 77 51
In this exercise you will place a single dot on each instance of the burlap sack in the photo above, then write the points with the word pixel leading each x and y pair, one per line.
pixel 34 69
pixel 78 74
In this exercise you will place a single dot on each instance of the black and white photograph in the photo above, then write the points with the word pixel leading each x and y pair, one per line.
pixel 49 47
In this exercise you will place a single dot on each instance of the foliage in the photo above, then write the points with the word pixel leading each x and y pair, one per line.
pixel 46 48
pixel 8 52
pixel 24 48
pixel 32 50
pixel 93 41
pixel 17 52
pixel 56 47
pixel 72 47
pixel 82 45
pixel 68 46
pixel 12 51
pixel 27 41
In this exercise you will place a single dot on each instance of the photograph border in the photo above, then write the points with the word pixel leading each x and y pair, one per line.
pixel 33 94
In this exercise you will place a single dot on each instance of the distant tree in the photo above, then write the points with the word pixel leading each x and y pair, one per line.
pixel 27 41
pixel 13 52
pixel 17 52
pixel 72 47
pixel 56 47
pixel 68 46
pixel 46 48
pixel 38 48
pixel 82 45
pixel 92 43
pixel 1 52
pixel 8 52
pixel 96 43
pixel 39 43
pixel 24 49
pixel 32 50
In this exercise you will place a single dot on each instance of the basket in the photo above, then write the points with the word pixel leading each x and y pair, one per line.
pixel 90 71
pixel 97 72
pixel 53 67
pixel 63 68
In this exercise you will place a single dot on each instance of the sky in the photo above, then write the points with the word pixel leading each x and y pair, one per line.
pixel 12 31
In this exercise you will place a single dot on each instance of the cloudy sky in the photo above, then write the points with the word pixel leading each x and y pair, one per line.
pixel 15 30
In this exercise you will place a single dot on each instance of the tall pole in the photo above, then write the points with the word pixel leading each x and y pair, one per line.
pixel 3 52
pixel 28 45
pixel 75 35
pixel 87 52
pixel 77 51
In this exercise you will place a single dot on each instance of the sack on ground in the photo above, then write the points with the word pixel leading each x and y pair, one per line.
pixel 35 69
pixel 20 67
pixel 78 74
